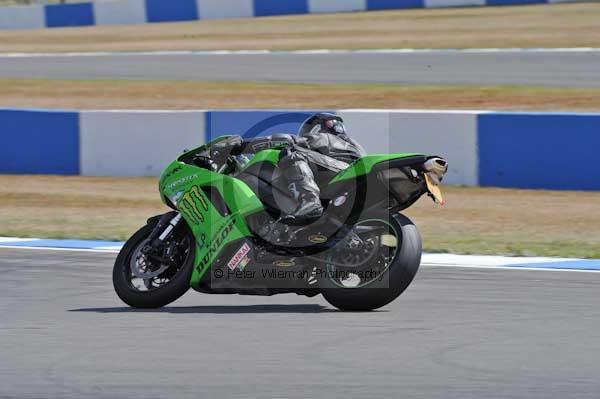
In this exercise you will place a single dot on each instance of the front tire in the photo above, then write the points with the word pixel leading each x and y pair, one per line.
pixel 393 281
pixel 178 276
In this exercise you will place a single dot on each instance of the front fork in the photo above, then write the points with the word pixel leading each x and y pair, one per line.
pixel 162 231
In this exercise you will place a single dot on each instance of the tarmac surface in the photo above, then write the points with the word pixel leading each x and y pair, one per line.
pixel 455 333
pixel 575 68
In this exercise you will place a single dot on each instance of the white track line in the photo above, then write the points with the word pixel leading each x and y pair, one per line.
pixel 306 52
pixel 103 251
pixel 426 264
pixel 534 269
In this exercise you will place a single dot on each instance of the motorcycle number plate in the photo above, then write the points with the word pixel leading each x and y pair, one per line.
pixel 435 191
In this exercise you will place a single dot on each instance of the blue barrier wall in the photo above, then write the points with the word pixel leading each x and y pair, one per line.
pixel 60 15
pixel 393 4
pixel 539 151
pixel 521 150
pixel 142 11
pixel 277 7
pixel 513 2
pixel 43 142
pixel 172 10
pixel 253 123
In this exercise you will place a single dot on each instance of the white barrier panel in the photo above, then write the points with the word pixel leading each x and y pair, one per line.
pixel 120 12
pixel 327 6
pixel 453 3
pixel 447 133
pixel 20 17
pixel 371 128
pixel 218 9
pixel 136 143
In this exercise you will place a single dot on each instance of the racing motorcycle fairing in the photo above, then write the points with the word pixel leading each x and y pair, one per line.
pixel 232 208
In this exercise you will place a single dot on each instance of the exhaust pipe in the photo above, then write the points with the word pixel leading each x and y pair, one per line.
pixel 436 168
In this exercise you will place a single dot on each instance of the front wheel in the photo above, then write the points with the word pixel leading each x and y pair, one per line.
pixel 375 265
pixel 144 280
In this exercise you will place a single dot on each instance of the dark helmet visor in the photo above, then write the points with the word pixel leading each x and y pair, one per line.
pixel 335 126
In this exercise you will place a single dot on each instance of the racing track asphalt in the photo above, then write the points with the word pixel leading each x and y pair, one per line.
pixel 456 333
pixel 576 68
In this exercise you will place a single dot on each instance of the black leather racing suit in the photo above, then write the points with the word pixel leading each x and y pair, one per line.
pixel 310 154
pixel 300 160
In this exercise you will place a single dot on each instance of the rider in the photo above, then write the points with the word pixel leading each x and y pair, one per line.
pixel 323 144
pixel 331 148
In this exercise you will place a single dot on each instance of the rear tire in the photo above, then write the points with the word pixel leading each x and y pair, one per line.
pixel 178 285
pixel 393 282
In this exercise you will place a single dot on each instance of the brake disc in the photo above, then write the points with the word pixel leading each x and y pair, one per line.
pixel 139 264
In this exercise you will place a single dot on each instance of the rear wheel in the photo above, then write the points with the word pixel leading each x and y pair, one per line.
pixel 150 280
pixel 375 265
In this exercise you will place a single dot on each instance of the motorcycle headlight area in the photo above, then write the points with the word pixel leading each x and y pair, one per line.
pixel 175 197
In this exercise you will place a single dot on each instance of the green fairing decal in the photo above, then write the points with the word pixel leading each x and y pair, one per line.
pixel 183 184
pixel 364 165
pixel 231 229
pixel 193 204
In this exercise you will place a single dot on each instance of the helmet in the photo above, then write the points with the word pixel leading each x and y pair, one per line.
pixel 323 122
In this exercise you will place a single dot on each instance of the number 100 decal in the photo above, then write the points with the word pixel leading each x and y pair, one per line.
pixel 193 205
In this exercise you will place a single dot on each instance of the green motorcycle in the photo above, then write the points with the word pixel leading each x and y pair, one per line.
pixel 227 234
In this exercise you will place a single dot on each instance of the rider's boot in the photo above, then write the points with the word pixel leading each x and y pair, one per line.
pixel 309 204
pixel 304 189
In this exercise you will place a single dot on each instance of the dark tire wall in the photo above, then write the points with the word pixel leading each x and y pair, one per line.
pixel 400 274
